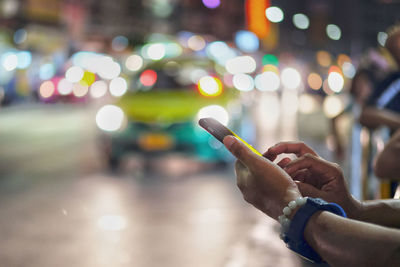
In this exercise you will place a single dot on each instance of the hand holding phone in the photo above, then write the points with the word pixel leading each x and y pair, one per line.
pixel 219 131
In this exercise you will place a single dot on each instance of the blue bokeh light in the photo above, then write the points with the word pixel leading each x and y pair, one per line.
pixel 247 41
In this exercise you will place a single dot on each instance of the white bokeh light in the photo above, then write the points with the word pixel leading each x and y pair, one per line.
pixel 74 74
pixel 98 89
pixel 301 21
pixel 134 63
pixel 9 61
pixel 243 82
pixel 110 118
pixel 156 51
pixel 214 111
pixel 118 86
pixel 332 106
pixel 64 87
pixel 274 14
pixel 243 64
pixel 333 31
pixel 108 68
pixel 335 81
pixel 291 78
pixel 267 81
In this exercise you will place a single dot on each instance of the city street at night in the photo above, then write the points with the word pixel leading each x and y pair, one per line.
pixel 199 133
pixel 60 207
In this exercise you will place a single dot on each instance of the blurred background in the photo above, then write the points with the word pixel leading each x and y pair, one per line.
pixel 102 162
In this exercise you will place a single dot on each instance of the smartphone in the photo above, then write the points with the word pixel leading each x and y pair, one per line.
pixel 219 131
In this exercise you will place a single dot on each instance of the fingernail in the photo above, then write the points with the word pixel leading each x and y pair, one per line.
pixel 228 141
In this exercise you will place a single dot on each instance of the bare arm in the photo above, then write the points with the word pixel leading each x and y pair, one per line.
pixel 384 212
pixel 372 118
pixel 388 161
pixel 345 242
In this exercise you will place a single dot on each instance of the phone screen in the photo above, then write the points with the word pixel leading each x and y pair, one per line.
pixel 219 131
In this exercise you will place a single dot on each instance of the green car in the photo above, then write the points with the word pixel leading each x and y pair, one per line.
pixel 159 113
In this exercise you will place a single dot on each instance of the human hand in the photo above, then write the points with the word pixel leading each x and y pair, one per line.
pixel 263 184
pixel 316 177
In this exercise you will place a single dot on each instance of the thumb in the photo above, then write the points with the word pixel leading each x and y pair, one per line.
pixel 308 190
pixel 240 150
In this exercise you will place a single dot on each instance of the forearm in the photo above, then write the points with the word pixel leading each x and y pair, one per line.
pixel 383 212
pixel 345 242
pixel 373 117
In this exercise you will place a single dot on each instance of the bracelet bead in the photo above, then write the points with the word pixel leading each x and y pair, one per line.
pixel 287 211
pixel 292 204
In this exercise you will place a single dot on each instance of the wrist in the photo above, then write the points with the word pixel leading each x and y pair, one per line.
pixel 354 208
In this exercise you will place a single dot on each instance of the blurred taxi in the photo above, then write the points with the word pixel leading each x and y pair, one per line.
pixel 159 113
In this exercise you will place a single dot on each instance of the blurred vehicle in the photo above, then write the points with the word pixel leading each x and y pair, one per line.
pixel 159 113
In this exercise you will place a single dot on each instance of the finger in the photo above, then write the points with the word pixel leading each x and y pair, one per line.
pixel 241 151
pixel 284 162
pixel 309 191
pixel 297 148
pixel 313 163
pixel 300 175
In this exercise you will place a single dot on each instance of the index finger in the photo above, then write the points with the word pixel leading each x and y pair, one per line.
pixel 297 148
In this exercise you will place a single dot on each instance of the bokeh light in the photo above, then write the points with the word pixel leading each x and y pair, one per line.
pixel 333 31
pixel 46 89
pixel 107 68
pixel 267 81
pixel 24 59
pixel 64 87
pixel 291 78
pixel 220 52
pixel 332 106
pixel 342 58
pixel 88 78
pixel 301 21
pixel 308 104
pixel 134 62
pixel 98 89
pixel 314 81
pixel 270 59
pixel 9 61
pixel 274 14
pixel 80 90
pixel 243 82
pixel 74 74
pixel 243 64
pixel 196 43
pixel 110 118
pixel 210 86
pixel 148 77
pixel 247 41
pixel 349 70
pixel 20 36
pixel 47 71
pixel 214 111
pixel 211 3
pixel 119 43
pixel 382 37
pixel 118 86
pixel 324 58
pixel 155 51
pixel 335 81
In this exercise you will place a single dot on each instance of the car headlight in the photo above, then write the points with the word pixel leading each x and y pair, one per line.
pixel 214 111
pixel 110 118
